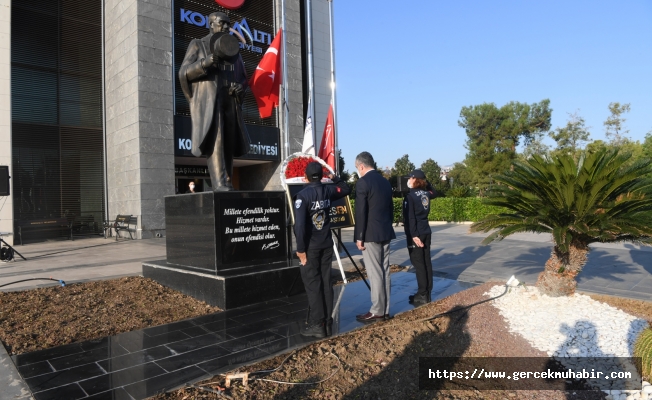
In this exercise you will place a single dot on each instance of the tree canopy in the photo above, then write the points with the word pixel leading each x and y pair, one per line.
pixel 494 133
pixel 615 124
pixel 432 170
pixel 403 166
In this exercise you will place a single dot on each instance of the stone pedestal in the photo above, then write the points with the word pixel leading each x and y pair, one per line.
pixel 229 249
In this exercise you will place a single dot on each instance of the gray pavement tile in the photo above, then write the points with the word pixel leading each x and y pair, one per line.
pixel 630 294
pixel 594 282
pixel 641 289
pixel 645 283
pixel 625 284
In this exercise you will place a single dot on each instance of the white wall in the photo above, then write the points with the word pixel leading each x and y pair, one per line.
pixel 322 62
pixel 6 203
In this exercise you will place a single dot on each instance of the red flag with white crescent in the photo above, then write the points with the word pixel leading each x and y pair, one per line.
pixel 327 147
pixel 267 78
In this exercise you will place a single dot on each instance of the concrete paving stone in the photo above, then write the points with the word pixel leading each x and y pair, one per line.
pixel 593 281
pixel 630 294
pixel 12 385
pixel 645 283
pixel 642 289
pixel 623 285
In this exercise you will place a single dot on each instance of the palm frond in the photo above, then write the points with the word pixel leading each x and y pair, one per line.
pixel 598 198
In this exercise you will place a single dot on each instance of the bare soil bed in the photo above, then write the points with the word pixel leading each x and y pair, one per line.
pixel 377 361
pixel 53 316
pixel 381 361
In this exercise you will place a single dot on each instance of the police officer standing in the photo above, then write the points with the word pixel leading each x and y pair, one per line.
pixel 315 246
pixel 416 207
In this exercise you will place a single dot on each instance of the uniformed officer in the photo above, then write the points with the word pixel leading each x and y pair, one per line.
pixel 416 207
pixel 315 246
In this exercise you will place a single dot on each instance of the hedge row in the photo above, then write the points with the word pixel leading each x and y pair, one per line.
pixel 450 209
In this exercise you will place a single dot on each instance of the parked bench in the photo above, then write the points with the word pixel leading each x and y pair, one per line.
pixel 84 225
pixel 61 224
pixel 127 223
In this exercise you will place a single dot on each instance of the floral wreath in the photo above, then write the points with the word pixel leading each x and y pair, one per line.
pixel 294 168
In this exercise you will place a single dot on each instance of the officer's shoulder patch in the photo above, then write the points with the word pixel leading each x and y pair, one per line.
pixel 297 203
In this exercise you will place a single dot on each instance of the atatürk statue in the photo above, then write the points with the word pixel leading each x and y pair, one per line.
pixel 214 81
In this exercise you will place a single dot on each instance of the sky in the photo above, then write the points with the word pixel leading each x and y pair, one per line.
pixel 405 68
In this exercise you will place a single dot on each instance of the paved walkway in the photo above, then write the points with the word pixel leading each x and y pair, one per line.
pixel 80 260
pixel 623 270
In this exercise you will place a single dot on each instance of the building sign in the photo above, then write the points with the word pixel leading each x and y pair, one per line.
pixel 190 170
pixel 231 4
pixel 264 141
pixel 251 19
pixel 242 27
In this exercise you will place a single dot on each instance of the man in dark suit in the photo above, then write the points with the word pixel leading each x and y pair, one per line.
pixel 374 212
pixel 215 88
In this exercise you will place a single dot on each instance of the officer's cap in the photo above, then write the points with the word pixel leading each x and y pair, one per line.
pixel 417 173
pixel 314 171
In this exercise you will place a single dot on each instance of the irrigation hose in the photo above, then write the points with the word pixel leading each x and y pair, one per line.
pixel 210 390
pixel 467 307
pixel 35 279
pixel 307 383
pixel 269 371
pixel 383 326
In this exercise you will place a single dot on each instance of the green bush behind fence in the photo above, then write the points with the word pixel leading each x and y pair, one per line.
pixel 450 209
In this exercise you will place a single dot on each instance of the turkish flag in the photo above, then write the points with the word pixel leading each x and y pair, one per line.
pixel 267 78
pixel 327 147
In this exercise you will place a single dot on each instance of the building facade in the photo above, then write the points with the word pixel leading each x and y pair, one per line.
pixel 93 122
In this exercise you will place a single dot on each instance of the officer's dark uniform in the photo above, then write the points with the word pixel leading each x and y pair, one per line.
pixel 416 207
pixel 312 230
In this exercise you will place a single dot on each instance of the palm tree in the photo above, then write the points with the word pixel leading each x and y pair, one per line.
pixel 597 199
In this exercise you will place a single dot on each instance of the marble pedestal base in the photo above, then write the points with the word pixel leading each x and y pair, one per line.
pixel 231 289
pixel 228 249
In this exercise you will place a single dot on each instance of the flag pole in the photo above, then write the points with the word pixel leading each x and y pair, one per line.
pixel 311 67
pixel 333 95
pixel 286 108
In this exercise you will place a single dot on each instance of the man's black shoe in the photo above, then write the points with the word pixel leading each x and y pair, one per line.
pixel 316 330
pixel 329 328
pixel 420 300
pixel 411 298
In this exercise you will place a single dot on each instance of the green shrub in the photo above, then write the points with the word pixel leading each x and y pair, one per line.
pixel 459 209
pixel 451 209
pixel 398 209
pixel 643 349
pixel 459 191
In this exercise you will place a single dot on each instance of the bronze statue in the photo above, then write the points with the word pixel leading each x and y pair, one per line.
pixel 214 80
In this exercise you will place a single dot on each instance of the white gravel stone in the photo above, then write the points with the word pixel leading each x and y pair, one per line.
pixel 573 326
pixel 568 324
